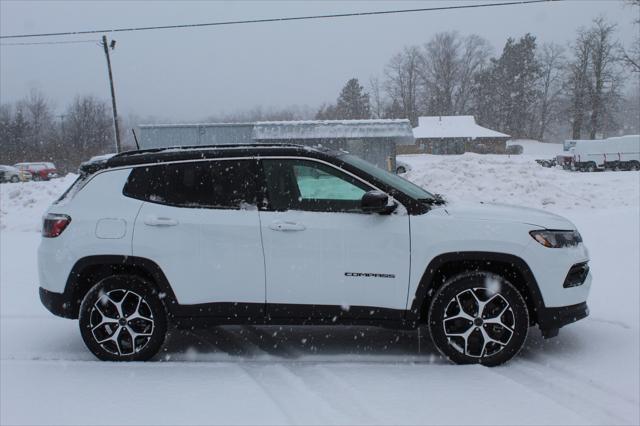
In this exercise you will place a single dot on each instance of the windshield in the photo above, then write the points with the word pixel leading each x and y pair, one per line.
pixel 395 181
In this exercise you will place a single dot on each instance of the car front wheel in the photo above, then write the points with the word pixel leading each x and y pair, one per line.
pixel 15 179
pixel 478 318
pixel 123 319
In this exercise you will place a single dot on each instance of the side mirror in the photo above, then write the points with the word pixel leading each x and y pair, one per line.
pixel 376 202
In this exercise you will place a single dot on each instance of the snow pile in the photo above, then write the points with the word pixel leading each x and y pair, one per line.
pixel 520 180
pixel 22 204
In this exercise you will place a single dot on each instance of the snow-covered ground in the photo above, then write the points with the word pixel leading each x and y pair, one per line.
pixel 589 374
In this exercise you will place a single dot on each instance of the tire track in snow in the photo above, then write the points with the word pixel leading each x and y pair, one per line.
pixel 563 391
pixel 293 397
pixel 334 388
pixel 551 363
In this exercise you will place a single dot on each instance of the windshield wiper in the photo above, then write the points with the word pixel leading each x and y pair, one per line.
pixel 436 200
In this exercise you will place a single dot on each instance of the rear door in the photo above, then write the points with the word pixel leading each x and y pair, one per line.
pixel 323 254
pixel 200 224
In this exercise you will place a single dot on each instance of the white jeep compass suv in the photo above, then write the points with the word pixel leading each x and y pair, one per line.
pixel 285 234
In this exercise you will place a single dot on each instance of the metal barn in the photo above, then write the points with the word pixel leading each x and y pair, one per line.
pixel 372 140
pixel 166 135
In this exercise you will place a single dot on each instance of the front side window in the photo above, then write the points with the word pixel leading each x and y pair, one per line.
pixel 223 184
pixel 312 186
pixel 390 179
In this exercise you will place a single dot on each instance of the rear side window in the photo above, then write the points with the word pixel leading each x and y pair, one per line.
pixel 223 184
pixel 75 187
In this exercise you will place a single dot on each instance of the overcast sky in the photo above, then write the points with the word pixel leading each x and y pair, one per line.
pixel 190 74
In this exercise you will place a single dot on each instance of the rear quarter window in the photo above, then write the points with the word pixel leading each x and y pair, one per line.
pixel 220 184
pixel 75 187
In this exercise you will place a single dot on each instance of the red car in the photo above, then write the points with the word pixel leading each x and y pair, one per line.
pixel 39 171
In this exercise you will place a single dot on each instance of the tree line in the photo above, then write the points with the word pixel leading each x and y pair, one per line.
pixel 30 131
pixel 585 90
pixel 589 88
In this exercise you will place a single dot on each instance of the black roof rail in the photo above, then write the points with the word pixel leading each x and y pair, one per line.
pixel 197 147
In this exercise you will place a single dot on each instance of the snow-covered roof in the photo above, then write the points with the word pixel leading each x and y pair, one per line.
pixel 452 126
pixel 332 129
pixel 192 125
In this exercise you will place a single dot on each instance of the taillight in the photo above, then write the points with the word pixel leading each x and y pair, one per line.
pixel 54 224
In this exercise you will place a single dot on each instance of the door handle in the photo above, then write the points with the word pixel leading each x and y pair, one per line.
pixel 159 221
pixel 287 226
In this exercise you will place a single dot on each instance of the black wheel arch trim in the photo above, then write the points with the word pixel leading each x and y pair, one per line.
pixel 426 286
pixel 74 292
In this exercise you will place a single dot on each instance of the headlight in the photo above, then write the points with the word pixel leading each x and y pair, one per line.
pixel 557 239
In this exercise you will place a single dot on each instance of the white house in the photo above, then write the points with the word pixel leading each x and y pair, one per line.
pixel 454 135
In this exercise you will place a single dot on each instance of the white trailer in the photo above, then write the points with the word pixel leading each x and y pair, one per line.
pixel 617 153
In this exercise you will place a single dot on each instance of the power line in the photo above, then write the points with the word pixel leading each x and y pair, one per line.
pixel 50 42
pixel 294 18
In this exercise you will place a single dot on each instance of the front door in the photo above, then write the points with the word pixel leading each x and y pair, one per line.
pixel 322 250
pixel 200 224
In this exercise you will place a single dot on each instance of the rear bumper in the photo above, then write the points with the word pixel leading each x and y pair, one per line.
pixel 57 303
pixel 550 320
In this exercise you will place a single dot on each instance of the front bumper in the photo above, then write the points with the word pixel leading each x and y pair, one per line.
pixel 57 303
pixel 550 320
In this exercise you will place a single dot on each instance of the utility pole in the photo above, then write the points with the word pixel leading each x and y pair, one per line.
pixel 113 92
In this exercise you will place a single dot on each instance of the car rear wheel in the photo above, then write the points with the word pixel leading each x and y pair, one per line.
pixel 478 318
pixel 123 319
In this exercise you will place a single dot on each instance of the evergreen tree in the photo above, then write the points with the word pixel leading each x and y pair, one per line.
pixel 353 102
pixel 506 93
pixel 519 71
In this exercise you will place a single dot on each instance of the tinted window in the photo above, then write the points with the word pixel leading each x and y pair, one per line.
pixel 312 186
pixel 211 184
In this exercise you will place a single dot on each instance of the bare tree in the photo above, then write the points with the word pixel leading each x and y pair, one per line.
pixel 450 64
pixel 402 82
pixel 39 113
pixel 551 58
pixel 440 69
pixel 376 95
pixel 604 73
pixel 327 112
pixel 88 131
pixel 8 143
pixel 577 82
pixel 475 53
pixel 631 57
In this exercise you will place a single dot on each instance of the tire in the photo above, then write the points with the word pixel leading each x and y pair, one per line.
pixel 489 344
pixel 15 179
pixel 590 167
pixel 401 170
pixel 634 165
pixel 143 314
